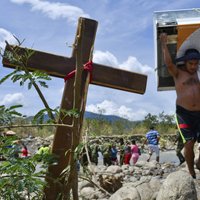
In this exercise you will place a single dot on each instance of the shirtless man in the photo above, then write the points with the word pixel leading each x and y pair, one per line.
pixel 187 87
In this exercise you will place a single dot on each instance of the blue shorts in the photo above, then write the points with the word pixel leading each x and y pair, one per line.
pixel 188 123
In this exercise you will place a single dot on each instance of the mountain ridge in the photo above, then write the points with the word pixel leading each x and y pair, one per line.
pixel 111 118
pixel 91 115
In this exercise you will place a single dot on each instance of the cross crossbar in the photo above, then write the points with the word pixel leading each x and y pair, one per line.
pixel 102 75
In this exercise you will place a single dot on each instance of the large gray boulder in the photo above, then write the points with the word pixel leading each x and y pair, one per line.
pixel 178 186
pixel 126 193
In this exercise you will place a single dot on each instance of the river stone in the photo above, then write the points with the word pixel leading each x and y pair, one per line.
pixel 155 184
pixel 88 193
pixel 126 193
pixel 178 186
pixel 145 191
pixel 140 163
pixel 83 184
pixel 114 169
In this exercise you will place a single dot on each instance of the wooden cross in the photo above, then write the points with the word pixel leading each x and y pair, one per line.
pixel 102 75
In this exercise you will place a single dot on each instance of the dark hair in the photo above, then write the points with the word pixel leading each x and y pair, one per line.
pixel 133 141
pixel 121 141
pixel 151 127
pixel 190 54
pixel 189 51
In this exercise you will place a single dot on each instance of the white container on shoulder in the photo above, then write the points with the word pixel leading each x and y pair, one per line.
pixel 183 30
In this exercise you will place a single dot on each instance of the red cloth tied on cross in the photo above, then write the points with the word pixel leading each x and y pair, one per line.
pixel 88 67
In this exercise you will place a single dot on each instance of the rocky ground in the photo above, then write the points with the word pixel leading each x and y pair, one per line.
pixel 143 181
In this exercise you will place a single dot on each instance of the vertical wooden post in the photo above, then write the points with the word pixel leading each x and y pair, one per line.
pixel 66 139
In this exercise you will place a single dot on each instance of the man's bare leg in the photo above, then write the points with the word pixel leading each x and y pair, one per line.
pixel 197 162
pixel 189 156
pixel 149 157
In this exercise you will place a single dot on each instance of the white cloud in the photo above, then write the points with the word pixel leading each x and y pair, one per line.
pixel 12 99
pixel 110 108
pixel 55 10
pixel 131 64
pixel 105 58
pixel 6 35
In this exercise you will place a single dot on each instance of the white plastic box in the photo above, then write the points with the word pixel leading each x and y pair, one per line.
pixel 183 29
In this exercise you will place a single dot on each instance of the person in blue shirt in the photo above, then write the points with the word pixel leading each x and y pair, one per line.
pixel 152 140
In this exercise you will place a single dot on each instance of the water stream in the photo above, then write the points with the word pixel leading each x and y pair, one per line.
pixel 165 156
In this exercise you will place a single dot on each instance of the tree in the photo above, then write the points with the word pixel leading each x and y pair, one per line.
pixel 150 120
pixel 166 122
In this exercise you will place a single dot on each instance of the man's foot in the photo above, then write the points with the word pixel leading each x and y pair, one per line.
pixel 194 176
pixel 148 160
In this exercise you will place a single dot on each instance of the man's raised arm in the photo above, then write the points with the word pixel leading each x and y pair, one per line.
pixel 167 57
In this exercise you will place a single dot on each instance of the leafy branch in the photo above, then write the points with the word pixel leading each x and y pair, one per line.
pixel 7 115
pixel 21 74
pixel 19 177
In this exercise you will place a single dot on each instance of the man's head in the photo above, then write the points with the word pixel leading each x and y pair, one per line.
pixel 133 142
pixel 191 59
pixel 190 54
pixel 151 127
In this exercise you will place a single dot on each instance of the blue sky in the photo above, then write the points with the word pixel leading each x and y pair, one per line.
pixel 124 39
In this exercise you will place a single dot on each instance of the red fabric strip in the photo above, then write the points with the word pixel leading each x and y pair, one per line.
pixel 184 126
pixel 70 75
pixel 88 67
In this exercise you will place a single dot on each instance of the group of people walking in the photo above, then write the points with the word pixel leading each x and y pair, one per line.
pixel 122 153
pixel 112 153
pixel 129 153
